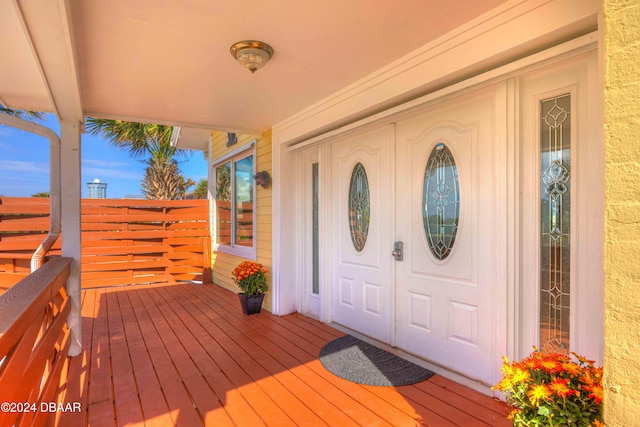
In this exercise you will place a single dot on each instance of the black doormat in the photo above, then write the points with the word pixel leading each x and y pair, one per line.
pixel 363 363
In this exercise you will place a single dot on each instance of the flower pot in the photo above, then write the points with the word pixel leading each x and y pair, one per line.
pixel 251 304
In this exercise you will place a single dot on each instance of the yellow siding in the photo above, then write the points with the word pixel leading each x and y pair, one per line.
pixel 622 213
pixel 223 264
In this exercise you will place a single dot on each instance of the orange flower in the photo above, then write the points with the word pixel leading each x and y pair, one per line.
pixel 513 414
pixel 572 369
pixel 561 388
pixel 549 365
pixel 545 385
pixel 583 360
pixel 531 364
pixel 597 392
pixel 587 378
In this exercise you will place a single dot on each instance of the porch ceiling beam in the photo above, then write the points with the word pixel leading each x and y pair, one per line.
pixel 48 28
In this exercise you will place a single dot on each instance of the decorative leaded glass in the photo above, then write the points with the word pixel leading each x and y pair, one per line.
pixel 441 201
pixel 359 207
pixel 315 232
pixel 555 223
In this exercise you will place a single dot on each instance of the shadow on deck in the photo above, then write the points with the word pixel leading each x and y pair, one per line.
pixel 186 355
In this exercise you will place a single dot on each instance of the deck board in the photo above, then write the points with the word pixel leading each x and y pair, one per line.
pixel 150 396
pixel 243 353
pixel 185 355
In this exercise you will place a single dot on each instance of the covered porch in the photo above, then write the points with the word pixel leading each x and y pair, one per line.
pixel 335 65
pixel 185 354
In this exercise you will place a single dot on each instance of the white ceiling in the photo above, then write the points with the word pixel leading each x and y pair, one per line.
pixel 168 61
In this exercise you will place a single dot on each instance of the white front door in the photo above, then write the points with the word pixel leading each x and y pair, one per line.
pixel 447 204
pixel 362 206
pixel 443 305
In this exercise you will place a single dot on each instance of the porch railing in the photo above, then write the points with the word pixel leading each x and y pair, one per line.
pixel 34 339
pixel 124 241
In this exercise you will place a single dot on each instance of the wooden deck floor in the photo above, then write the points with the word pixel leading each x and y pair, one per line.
pixel 185 355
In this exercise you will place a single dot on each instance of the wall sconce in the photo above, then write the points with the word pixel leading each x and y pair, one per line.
pixel 232 139
pixel 263 179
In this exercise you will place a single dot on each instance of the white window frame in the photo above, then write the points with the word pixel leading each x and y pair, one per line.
pixel 239 153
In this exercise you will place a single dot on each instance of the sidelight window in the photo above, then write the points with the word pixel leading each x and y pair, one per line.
pixel 555 223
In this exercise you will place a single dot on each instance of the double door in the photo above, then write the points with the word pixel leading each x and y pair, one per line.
pixel 416 233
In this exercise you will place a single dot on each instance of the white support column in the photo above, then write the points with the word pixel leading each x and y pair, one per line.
pixel 284 285
pixel 71 242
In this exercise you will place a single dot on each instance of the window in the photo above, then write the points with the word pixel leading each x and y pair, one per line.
pixel 555 224
pixel 234 222
pixel 441 201
pixel 359 207
pixel 315 224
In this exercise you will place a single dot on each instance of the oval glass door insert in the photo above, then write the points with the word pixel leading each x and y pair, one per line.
pixel 441 201
pixel 359 207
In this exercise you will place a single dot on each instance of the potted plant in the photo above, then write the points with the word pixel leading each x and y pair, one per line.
pixel 550 389
pixel 251 278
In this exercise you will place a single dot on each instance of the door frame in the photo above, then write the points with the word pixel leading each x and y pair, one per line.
pixel 511 294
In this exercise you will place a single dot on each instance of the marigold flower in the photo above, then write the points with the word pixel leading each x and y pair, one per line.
pixel 504 384
pixel 597 373
pixel 596 392
pixel 583 360
pixel 587 378
pixel 513 414
pixel 572 369
pixel 531 364
pixel 550 366
pixel 561 388
pixel 546 385
pixel 521 376
pixel 539 392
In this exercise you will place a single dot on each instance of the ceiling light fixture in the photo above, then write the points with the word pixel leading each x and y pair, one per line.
pixel 252 54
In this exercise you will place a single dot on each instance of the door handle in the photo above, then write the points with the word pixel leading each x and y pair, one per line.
pixel 398 252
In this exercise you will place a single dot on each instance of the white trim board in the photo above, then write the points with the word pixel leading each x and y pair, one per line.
pixel 572 47
pixel 486 42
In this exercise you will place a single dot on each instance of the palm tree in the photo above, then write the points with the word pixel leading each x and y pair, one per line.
pixel 139 139
pixel 163 179
pixel 223 182
pixel 22 114
pixel 202 189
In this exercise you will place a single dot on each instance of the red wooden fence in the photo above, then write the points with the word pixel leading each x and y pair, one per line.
pixel 123 241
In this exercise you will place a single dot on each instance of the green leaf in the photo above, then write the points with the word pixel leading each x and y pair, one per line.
pixel 544 411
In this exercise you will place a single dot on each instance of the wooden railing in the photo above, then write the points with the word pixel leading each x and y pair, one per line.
pixel 123 241
pixel 34 339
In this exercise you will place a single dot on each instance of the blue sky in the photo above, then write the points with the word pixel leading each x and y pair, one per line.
pixel 24 164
